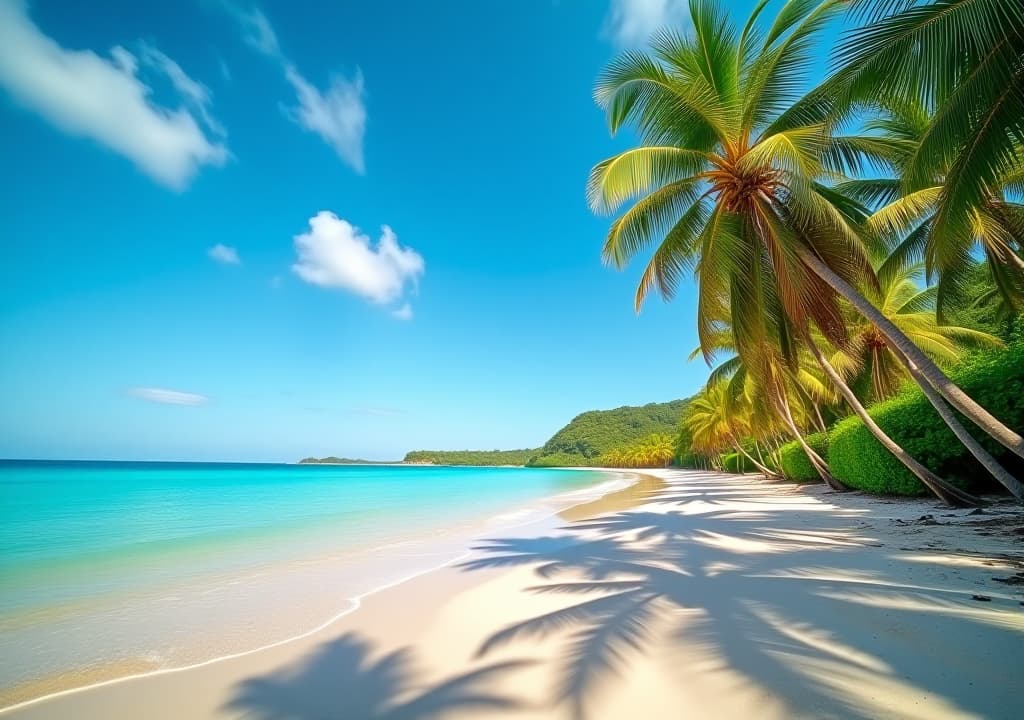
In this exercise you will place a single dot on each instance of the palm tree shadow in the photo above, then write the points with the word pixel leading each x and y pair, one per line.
pixel 341 680
pixel 758 590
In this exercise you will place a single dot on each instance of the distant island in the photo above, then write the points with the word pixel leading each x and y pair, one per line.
pixel 630 435
pixel 469 457
pixel 342 461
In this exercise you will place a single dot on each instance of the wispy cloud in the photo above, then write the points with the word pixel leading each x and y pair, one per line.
pixel 336 114
pixel 257 31
pixel 103 99
pixel 630 23
pixel 168 397
pixel 194 93
pixel 403 313
pixel 336 254
pixel 224 254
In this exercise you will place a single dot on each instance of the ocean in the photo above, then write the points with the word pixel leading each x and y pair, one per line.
pixel 111 568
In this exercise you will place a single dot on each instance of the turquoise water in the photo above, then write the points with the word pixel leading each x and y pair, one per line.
pixel 91 552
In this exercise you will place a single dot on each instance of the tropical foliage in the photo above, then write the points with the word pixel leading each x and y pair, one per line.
pixel 794 463
pixel 995 378
pixel 653 451
pixel 832 231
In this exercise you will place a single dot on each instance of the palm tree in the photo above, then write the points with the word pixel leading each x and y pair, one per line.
pixel 729 179
pixel 707 421
pixel 868 362
pixel 965 58
pixel 908 220
pixel 949 494
pixel 747 406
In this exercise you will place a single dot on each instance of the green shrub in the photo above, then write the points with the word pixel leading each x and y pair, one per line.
pixel 995 380
pixel 796 466
pixel 737 463
pixel 733 462
pixel 861 462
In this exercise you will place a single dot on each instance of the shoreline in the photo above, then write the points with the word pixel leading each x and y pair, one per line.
pixel 552 506
pixel 821 605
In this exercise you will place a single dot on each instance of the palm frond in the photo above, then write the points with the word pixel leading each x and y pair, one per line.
pixel 639 170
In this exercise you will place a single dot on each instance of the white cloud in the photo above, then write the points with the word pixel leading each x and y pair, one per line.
pixel 168 397
pixel 630 23
pixel 338 115
pixel 224 254
pixel 193 92
pixel 257 30
pixel 403 313
pixel 334 253
pixel 87 95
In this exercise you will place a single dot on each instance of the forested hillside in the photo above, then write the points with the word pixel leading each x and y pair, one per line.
pixel 585 441
pixel 593 434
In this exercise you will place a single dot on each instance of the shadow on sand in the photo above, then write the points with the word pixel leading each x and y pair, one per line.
pixel 342 680
pixel 782 594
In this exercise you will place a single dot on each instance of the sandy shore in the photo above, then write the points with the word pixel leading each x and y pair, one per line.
pixel 718 596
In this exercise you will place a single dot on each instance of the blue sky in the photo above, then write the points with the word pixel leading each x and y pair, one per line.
pixel 258 232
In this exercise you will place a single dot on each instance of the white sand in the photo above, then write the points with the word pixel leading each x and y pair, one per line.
pixel 720 597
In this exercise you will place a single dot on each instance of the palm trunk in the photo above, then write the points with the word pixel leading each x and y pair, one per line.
pixel 816 460
pixel 949 494
pixel 760 455
pixel 817 415
pixel 740 464
pixel 764 471
pixel 928 372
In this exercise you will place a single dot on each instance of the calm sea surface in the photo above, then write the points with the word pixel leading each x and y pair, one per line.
pixel 157 564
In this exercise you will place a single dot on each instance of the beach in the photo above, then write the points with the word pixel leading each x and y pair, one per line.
pixel 700 595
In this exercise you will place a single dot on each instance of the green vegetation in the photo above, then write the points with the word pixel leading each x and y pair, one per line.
pixel 737 463
pixel 633 436
pixel 655 450
pixel 796 466
pixel 469 457
pixel 808 217
pixel 995 379
pixel 558 460
pixel 597 432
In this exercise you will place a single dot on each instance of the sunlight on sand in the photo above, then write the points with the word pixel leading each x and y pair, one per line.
pixel 870 694
pixel 956 561
pixel 930 604
pixel 817 638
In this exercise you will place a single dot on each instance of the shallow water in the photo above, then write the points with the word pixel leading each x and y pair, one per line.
pixel 154 565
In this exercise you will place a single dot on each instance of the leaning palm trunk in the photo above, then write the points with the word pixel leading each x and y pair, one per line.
pixel 949 494
pixel 816 460
pixel 927 372
pixel 760 466
pixel 761 460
